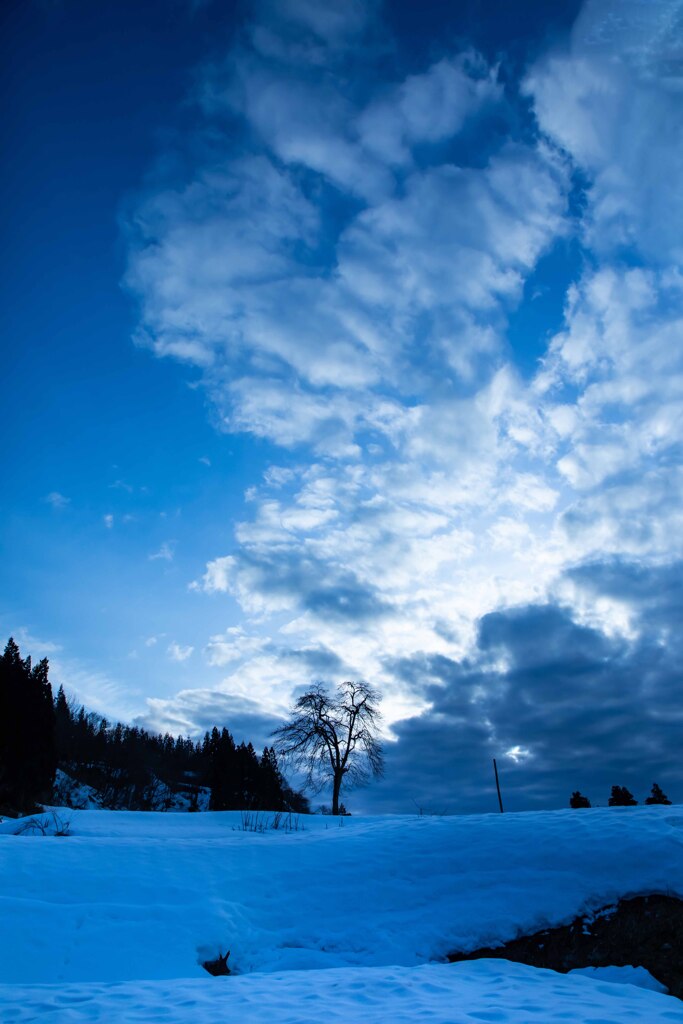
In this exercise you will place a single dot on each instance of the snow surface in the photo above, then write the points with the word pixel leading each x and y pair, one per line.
pixel 72 793
pixel 141 898
pixel 623 976
pixel 467 993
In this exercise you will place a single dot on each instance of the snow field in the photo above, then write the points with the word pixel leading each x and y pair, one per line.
pixel 493 991
pixel 334 922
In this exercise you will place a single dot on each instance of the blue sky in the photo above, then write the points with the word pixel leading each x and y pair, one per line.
pixel 345 342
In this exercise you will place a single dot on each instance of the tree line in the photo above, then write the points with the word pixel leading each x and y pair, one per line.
pixel 127 766
pixel 622 797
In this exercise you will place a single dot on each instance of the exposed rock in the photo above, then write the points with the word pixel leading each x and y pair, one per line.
pixel 218 967
pixel 645 931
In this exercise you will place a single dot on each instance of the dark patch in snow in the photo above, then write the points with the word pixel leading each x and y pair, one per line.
pixel 218 967
pixel 645 931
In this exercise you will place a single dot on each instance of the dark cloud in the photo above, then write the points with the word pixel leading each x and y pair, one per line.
pixel 655 593
pixel 320 661
pixel 579 709
pixel 194 712
pixel 347 599
pixel 311 584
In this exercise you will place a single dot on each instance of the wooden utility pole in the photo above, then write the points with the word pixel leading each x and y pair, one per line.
pixel 500 799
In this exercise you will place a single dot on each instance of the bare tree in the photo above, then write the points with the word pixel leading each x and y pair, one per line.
pixel 334 736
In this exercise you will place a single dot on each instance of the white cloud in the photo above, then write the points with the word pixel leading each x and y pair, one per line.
pixel 457 239
pixel 215 580
pixel 57 500
pixel 239 270
pixel 427 107
pixel 178 653
pixel 613 101
pixel 165 553
pixel 233 646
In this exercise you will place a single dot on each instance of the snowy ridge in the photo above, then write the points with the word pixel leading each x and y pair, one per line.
pixel 134 895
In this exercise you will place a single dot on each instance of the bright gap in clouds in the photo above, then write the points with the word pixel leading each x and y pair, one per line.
pixel 445 286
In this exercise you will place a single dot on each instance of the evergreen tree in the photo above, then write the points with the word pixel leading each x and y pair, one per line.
pixel 579 800
pixel 221 776
pixel 621 797
pixel 246 777
pixel 28 754
pixel 63 725
pixel 657 796
pixel 126 765
pixel 42 755
pixel 271 783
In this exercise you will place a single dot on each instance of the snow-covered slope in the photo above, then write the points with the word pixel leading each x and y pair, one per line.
pixel 131 896
pixel 158 795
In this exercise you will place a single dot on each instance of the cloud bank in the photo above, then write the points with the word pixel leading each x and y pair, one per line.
pixel 340 263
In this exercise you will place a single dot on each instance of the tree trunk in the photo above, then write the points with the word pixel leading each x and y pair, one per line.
pixel 336 786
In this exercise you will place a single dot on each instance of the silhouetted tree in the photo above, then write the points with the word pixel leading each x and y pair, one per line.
pixel 621 797
pixel 28 755
pixel 127 766
pixel 295 801
pixel 579 800
pixel 334 737
pixel 240 780
pixel 221 753
pixel 246 776
pixel 657 796
pixel 63 724
pixel 271 784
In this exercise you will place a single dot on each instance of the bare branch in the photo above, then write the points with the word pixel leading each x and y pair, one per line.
pixel 334 736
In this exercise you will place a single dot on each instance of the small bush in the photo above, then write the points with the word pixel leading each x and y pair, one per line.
pixel 657 796
pixel 281 821
pixel 621 797
pixel 50 825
